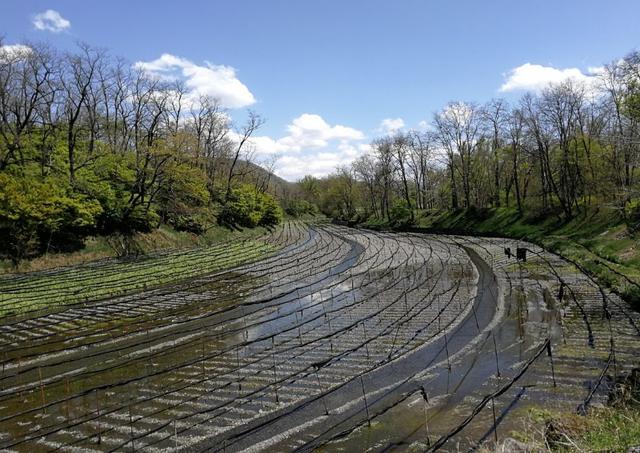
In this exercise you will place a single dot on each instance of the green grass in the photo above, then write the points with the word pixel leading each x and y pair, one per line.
pixel 163 238
pixel 603 429
pixel 609 429
pixel 113 278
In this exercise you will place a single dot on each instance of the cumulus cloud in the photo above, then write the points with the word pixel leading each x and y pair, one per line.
pixel 51 20
pixel 312 131
pixel 306 132
pixel 293 168
pixel 535 77
pixel 390 126
pixel 14 51
pixel 423 125
pixel 318 164
pixel 311 146
pixel 217 81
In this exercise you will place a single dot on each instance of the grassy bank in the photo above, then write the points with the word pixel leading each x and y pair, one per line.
pixel 165 256
pixel 102 247
pixel 612 428
pixel 109 278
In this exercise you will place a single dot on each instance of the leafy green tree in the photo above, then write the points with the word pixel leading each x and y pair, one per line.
pixel 37 215
pixel 247 207
pixel 299 208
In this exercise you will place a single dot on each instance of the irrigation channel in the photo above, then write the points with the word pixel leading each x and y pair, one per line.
pixel 331 338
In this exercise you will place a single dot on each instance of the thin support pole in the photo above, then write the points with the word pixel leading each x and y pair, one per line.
pixel 495 424
pixel 495 351
pixel 366 405
pixel 326 410
pixel 98 418
pixel 132 437
pixel 553 373
pixel 44 401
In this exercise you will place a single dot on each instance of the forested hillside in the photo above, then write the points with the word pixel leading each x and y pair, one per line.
pixel 572 146
pixel 90 145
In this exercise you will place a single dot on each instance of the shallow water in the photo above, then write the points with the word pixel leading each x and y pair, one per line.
pixel 326 345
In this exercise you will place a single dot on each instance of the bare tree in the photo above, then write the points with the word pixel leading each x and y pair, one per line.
pixel 253 123
pixel 81 73
pixel 27 83
pixel 495 115
pixel 401 147
pixel 365 169
pixel 419 163
pixel 383 150
pixel 459 131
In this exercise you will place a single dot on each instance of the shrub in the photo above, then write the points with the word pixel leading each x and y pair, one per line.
pixel 188 223
pixel 631 294
pixel 247 207
pixel 400 214
pixel 139 219
pixel 271 211
pixel 299 208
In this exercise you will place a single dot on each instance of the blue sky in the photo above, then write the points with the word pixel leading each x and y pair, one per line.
pixel 327 74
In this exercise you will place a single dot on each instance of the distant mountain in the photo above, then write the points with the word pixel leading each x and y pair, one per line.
pixel 253 173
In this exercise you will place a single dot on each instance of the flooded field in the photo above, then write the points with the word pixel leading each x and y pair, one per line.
pixel 338 339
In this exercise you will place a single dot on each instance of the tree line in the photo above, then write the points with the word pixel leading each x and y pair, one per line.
pixel 90 144
pixel 573 145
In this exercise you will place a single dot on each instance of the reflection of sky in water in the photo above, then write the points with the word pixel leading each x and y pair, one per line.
pixel 531 318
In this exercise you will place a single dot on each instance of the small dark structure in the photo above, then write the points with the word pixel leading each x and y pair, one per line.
pixel 507 251
pixel 521 254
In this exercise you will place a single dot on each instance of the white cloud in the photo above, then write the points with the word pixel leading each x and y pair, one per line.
pixel 318 164
pixel 217 81
pixel 311 147
pixel 312 131
pixel 423 125
pixel 14 51
pixel 50 20
pixel 390 126
pixel 306 132
pixel 266 145
pixel 292 168
pixel 535 77
pixel 596 70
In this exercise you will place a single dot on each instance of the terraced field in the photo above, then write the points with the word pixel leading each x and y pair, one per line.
pixel 312 337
